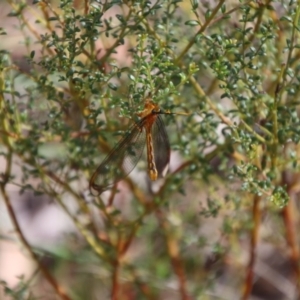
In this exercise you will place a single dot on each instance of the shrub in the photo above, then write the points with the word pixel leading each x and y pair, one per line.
pixel 86 70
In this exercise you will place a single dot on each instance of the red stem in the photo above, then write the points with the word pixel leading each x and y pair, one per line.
pixel 254 240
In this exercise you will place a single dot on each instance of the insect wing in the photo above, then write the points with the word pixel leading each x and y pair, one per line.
pixel 121 160
pixel 161 146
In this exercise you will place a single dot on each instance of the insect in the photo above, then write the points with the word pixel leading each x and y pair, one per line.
pixel 150 131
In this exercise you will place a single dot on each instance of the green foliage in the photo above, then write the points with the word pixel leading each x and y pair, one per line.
pixel 232 65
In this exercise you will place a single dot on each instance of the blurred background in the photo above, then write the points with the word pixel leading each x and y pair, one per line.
pixel 222 223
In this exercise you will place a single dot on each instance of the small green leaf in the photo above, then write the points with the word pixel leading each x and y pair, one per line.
pixel 2 31
pixel 112 86
pixel 223 8
pixel 13 13
pixel 131 77
pixel 195 4
pixel 279 196
pixel 208 14
pixel 192 23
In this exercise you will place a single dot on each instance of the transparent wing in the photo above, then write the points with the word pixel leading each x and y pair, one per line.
pixel 121 160
pixel 161 146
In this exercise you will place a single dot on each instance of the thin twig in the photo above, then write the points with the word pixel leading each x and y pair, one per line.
pixel 256 213
pixel 58 288
pixel 174 254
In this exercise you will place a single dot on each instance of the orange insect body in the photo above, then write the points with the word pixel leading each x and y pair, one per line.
pixel 122 159
pixel 150 107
